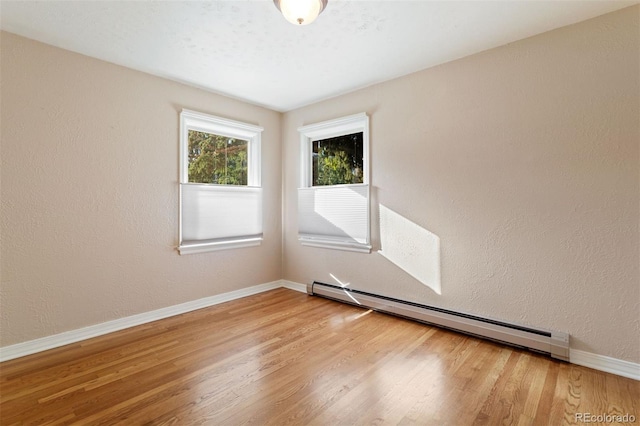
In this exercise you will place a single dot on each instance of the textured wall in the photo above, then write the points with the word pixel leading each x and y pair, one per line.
pixel 516 171
pixel 90 194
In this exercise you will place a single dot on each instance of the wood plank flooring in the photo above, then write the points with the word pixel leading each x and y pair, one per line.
pixel 283 357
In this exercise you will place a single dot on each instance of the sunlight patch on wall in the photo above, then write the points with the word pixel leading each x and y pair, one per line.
pixel 338 281
pixel 411 248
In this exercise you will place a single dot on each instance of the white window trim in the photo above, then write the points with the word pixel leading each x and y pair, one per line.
pixel 192 120
pixel 221 245
pixel 327 129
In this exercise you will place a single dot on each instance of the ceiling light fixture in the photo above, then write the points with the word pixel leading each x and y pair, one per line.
pixel 301 12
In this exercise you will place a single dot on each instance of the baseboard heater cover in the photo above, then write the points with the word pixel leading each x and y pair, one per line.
pixel 554 343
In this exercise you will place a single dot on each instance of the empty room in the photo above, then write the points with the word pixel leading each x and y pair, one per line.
pixel 316 212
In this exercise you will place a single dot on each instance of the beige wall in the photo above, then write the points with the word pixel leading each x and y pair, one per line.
pixel 524 162
pixel 90 194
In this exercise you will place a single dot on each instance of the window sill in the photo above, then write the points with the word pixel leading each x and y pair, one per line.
pixel 219 245
pixel 335 245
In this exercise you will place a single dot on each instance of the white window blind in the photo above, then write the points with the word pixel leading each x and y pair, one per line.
pixel 334 217
pixel 219 215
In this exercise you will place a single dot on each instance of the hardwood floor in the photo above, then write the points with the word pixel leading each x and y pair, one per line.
pixel 283 357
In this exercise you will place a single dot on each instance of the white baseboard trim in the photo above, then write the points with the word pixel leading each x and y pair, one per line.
pixel 38 345
pixel 291 285
pixel 605 363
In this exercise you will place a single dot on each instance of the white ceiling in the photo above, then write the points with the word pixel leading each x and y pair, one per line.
pixel 246 49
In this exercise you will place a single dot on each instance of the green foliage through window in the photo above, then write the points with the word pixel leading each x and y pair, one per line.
pixel 217 159
pixel 338 160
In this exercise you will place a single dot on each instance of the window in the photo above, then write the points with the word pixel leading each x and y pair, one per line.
pixel 338 160
pixel 220 193
pixel 217 159
pixel 333 198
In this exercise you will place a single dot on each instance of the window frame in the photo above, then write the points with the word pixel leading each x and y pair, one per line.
pixel 355 123
pixel 197 121
pixel 192 120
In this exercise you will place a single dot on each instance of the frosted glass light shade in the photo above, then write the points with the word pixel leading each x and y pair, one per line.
pixel 300 12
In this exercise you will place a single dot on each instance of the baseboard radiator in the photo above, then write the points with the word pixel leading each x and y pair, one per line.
pixel 549 342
